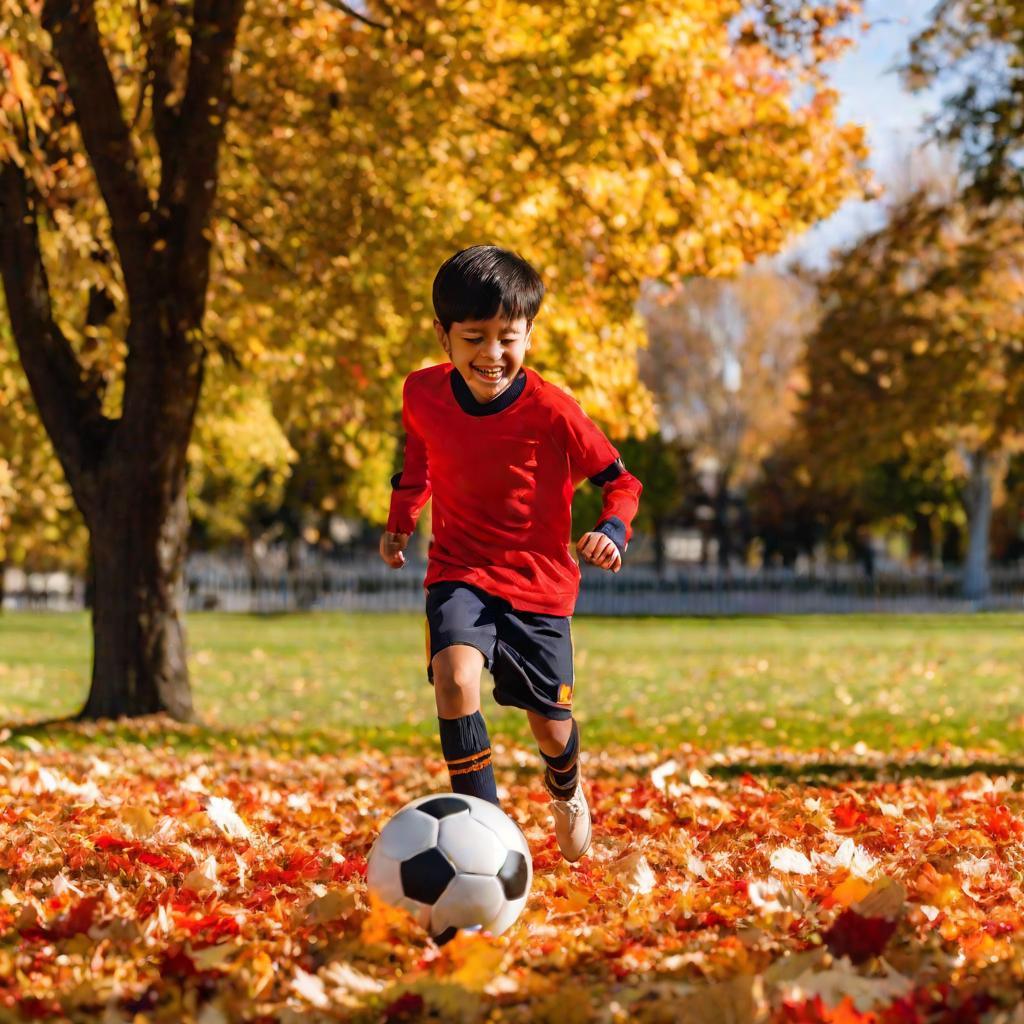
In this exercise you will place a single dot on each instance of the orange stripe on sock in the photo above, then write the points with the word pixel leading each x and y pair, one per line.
pixel 472 757
pixel 471 768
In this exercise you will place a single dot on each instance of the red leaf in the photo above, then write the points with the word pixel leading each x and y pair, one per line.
pixel 848 815
pixel 154 860
pixel 106 841
pixel 858 938
pixel 175 963
pixel 407 1006
pixel 77 920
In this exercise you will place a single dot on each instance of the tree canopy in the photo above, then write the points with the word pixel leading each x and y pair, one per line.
pixel 977 48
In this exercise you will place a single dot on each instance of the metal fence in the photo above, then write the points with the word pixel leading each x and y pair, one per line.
pixel 636 590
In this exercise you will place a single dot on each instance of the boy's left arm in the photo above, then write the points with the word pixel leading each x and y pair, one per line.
pixel 592 457
pixel 621 498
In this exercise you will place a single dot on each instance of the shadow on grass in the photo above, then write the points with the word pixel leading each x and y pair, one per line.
pixel 825 771
pixel 160 731
pixel 287 741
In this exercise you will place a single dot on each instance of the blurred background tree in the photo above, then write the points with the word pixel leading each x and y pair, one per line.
pixel 975 48
pixel 919 356
pixel 723 363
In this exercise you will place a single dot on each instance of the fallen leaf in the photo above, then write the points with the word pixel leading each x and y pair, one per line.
pixel 311 988
pixel 841 981
pixel 790 861
pixel 634 872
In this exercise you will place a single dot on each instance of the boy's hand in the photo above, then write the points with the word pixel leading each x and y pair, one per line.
pixel 391 547
pixel 599 550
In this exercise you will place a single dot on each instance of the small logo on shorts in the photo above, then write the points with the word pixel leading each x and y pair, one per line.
pixel 565 694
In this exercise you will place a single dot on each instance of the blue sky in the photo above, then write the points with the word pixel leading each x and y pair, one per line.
pixel 872 95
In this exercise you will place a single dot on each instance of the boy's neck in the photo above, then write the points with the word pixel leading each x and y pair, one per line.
pixel 469 404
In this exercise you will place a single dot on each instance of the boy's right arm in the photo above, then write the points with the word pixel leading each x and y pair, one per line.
pixel 410 491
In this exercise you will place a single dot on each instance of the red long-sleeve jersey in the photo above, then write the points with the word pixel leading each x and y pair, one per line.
pixel 502 475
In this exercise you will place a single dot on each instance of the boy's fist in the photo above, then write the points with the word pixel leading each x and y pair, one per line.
pixel 391 547
pixel 599 550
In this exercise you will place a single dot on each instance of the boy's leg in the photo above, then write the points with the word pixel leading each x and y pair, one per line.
pixel 532 669
pixel 559 742
pixel 464 741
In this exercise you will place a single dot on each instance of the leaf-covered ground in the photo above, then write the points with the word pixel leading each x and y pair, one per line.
pixel 144 882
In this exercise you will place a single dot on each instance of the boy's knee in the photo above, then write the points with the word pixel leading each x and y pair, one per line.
pixel 456 683
pixel 457 676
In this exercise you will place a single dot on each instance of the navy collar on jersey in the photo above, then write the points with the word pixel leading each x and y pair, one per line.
pixel 468 404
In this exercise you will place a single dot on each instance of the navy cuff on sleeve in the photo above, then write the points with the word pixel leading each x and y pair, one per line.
pixel 615 529
pixel 608 474
pixel 396 480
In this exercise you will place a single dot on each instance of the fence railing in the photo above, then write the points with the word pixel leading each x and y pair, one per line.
pixel 636 590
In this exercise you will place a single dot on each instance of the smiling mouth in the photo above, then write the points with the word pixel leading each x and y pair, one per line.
pixel 491 375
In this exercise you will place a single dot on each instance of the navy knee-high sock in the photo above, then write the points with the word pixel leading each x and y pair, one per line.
pixel 563 771
pixel 467 752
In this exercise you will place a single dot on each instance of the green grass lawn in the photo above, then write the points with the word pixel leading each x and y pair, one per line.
pixel 802 682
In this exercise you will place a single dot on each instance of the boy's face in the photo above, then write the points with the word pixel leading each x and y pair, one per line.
pixel 487 353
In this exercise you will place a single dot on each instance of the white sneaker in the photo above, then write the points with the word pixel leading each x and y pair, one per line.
pixel 572 824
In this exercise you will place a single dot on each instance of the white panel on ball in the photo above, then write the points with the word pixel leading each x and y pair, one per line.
pixel 469 900
pixel 383 877
pixel 501 824
pixel 471 846
pixel 506 916
pixel 409 832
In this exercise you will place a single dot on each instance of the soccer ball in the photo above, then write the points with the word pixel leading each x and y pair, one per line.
pixel 452 861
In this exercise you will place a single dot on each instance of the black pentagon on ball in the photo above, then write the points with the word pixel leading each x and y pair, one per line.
pixel 513 875
pixel 442 938
pixel 426 876
pixel 442 806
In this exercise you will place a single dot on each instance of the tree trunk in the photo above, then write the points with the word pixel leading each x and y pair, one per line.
pixel 978 505
pixel 723 526
pixel 139 653
pixel 659 548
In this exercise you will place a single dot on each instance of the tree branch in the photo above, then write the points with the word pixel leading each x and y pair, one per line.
pixel 530 142
pixel 161 50
pixel 76 41
pixel 189 181
pixel 343 7
pixel 70 410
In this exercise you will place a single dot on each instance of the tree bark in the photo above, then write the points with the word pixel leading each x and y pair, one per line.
pixel 139 654
pixel 978 506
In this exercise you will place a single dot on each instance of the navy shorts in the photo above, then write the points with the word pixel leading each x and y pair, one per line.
pixel 528 654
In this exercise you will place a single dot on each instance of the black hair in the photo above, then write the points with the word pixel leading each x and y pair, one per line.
pixel 479 282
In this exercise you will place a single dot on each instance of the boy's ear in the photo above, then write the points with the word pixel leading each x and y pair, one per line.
pixel 442 337
pixel 529 332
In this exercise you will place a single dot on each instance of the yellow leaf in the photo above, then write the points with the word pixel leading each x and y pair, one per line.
pixel 850 890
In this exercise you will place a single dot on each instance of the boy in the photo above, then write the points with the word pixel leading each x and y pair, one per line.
pixel 501 450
